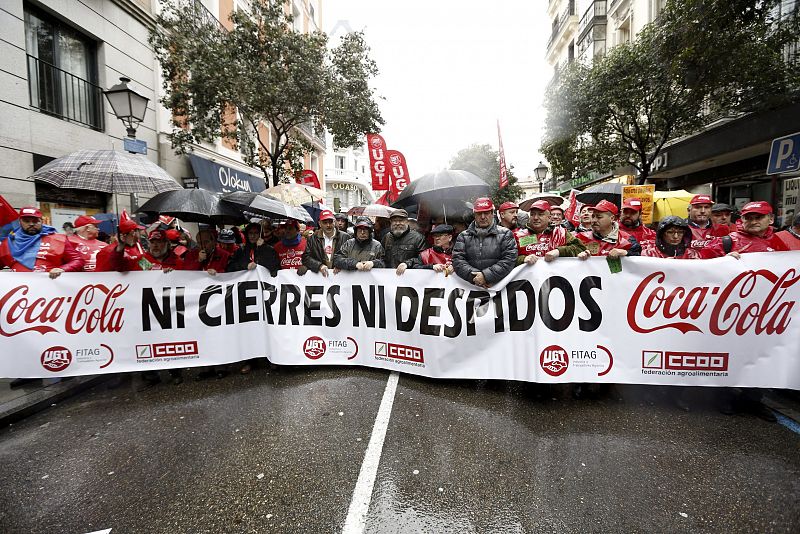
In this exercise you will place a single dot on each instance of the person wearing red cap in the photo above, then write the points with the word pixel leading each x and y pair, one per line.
pixel 507 213
pixel 322 245
pixel 539 239
pixel 208 256
pixel 631 222
pixel 291 246
pixel 85 241
pixel 703 229
pixel 38 248
pixel 485 252
pixel 756 235
pixel 123 255
pixel 791 236
pixel 606 238
pixel 557 216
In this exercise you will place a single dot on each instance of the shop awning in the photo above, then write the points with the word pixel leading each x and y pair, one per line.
pixel 212 176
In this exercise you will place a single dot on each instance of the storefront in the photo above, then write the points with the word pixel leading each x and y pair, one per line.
pixel 214 176
pixel 343 194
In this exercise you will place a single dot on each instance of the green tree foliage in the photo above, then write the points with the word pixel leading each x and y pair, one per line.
pixel 701 59
pixel 484 162
pixel 231 84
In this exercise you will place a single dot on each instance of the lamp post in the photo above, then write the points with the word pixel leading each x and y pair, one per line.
pixel 541 175
pixel 129 105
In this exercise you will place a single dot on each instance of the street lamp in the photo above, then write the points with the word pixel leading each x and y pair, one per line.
pixel 541 174
pixel 129 105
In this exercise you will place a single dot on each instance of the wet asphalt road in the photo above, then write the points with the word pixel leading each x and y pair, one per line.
pixel 281 451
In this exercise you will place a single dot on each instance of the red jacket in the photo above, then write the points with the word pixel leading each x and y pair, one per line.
pixel 541 243
pixel 651 250
pixel 642 233
pixel 743 243
pixel 111 259
pixel 601 247
pixel 291 257
pixel 217 261
pixel 431 257
pixel 701 237
pixel 88 249
pixel 55 251
pixel 790 239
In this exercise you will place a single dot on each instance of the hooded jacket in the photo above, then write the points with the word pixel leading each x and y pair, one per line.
pixel 660 249
pixel 492 251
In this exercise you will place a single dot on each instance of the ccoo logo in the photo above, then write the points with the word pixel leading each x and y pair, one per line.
pixel 314 348
pixel 554 360
pixel 56 359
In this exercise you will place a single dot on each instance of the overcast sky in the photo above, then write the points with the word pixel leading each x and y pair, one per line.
pixel 450 69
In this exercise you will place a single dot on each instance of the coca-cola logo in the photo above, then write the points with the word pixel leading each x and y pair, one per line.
pixel 754 301
pixel 56 359
pixel 92 308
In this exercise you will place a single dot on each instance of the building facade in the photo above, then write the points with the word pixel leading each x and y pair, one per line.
pixel 347 178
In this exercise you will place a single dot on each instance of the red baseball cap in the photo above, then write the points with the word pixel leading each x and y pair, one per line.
pixel 540 205
pixel 482 204
pixel 757 207
pixel 30 211
pixel 129 225
pixel 632 204
pixel 157 235
pixel 605 205
pixel 83 220
pixel 701 199
pixel 507 206
pixel 326 215
pixel 173 235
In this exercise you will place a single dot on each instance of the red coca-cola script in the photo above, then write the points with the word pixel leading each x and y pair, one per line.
pixel 92 308
pixel 734 308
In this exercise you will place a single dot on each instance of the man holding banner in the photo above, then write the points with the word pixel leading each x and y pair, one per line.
pixel 38 248
pixel 631 221
pixel 485 252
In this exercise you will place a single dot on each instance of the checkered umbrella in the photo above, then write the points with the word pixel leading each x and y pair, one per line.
pixel 107 171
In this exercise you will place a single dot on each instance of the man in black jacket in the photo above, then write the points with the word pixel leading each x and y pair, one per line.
pixel 362 253
pixel 322 245
pixel 252 253
pixel 401 243
pixel 484 253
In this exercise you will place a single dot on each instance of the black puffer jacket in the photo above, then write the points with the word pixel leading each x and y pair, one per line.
pixel 354 251
pixel 493 251
pixel 400 249
pixel 314 256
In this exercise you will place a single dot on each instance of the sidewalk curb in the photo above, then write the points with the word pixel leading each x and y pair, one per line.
pixel 782 409
pixel 17 409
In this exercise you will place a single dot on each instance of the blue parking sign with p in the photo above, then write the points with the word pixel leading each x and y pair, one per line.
pixel 784 156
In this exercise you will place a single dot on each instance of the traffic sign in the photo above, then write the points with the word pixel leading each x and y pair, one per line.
pixel 137 146
pixel 784 156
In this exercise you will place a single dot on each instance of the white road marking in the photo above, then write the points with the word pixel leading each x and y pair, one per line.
pixel 362 494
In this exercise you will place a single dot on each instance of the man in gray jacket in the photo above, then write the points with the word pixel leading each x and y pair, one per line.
pixel 484 253
pixel 362 253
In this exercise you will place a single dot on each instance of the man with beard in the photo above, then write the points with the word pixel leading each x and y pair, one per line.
pixel 791 236
pixel 542 240
pixel 361 253
pixel 703 230
pixel 485 252
pixel 253 253
pixel 631 221
pixel 322 245
pixel 673 240
pixel 38 248
pixel 159 258
pixel 291 246
pixel 507 213
pixel 756 235
pixel 402 243
pixel 85 241
pixel 606 238
pixel 208 256
pixel 439 257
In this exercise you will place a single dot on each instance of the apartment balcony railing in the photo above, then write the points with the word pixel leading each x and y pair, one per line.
pixel 596 14
pixel 308 131
pixel 561 22
pixel 60 93
pixel 203 16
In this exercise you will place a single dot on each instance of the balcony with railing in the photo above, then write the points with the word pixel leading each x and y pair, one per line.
pixel 60 93
pixel 595 15
pixel 564 19
pixel 308 130
pixel 203 16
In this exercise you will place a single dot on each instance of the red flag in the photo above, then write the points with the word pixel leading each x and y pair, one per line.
pixel 377 162
pixel 572 214
pixel 383 200
pixel 398 172
pixel 7 213
pixel 503 170
pixel 308 177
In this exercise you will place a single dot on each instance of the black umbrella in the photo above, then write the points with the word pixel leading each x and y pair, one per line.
pixel 609 191
pixel 442 186
pixel 261 205
pixel 194 205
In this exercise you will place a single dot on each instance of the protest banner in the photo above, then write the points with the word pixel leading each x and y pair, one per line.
pixel 645 194
pixel 720 322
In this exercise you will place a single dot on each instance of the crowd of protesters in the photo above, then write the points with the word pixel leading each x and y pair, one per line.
pixel 482 251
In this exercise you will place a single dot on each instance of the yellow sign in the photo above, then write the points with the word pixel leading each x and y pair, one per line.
pixel 643 193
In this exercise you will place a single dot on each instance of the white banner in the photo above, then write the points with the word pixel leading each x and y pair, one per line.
pixel 717 322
